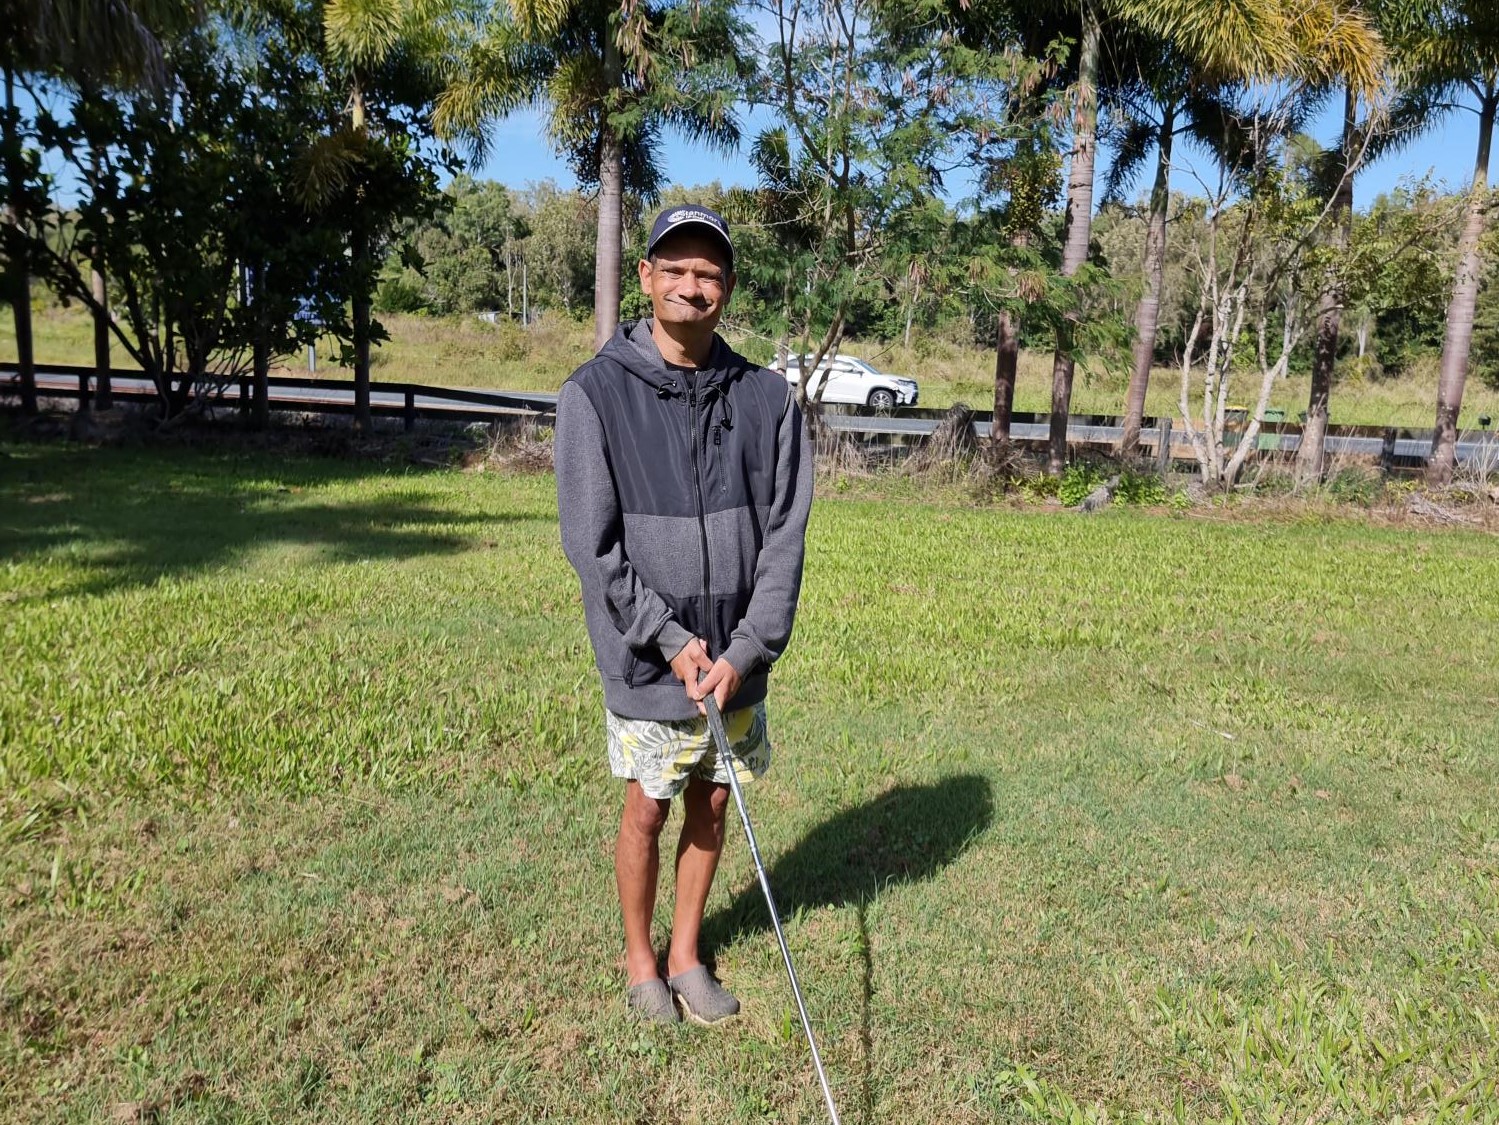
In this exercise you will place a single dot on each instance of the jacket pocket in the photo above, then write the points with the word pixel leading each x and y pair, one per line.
pixel 727 612
pixel 644 667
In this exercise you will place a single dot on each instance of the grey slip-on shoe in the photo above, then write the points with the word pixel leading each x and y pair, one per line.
pixel 703 998
pixel 651 1000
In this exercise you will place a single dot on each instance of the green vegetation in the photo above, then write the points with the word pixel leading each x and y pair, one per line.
pixel 303 813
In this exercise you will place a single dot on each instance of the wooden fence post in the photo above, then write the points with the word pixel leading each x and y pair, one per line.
pixel 1163 445
pixel 1387 451
pixel 410 412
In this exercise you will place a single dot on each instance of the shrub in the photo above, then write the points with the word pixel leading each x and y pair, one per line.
pixel 1140 488
pixel 1275 482
pixel 1355 486
pixel 1078 481
pixel 399 295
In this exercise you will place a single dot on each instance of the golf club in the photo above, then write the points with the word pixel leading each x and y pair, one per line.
pixel 721 738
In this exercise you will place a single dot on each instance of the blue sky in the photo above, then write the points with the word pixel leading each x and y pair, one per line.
pixel 520 155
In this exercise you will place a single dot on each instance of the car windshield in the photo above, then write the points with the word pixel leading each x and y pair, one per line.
pixel 837 363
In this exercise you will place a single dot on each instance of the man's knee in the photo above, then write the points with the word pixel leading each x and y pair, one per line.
pixel 706 800
pixel 644 815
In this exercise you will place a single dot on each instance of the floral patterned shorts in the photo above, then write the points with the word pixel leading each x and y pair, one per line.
pixel 664 755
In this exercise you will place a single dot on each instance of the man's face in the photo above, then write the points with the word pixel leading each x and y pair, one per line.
pixel 690 283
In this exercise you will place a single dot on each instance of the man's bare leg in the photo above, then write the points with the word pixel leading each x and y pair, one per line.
pixel 704 804
pixel 637 861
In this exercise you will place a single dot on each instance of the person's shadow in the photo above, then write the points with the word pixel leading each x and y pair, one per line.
pixel 903 836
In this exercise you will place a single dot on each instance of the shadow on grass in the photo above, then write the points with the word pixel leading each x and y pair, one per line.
pixel 902 836
pixel 124 518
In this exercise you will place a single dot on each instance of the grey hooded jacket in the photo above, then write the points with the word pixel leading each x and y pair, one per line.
pixel 683 499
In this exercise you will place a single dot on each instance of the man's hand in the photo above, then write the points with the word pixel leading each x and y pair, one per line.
pixel 722 682
pixel 689 665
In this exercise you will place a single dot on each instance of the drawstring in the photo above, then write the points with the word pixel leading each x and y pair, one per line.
pixel 724 409
pixel 666 389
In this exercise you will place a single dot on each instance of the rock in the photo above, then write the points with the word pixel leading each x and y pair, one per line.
pixel 1429 509
pixel 1100 497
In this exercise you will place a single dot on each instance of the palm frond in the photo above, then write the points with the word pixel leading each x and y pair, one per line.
pixel 326 166
pixel 492 77
pixel 1336 41
pixel 363 33
pixel 1215 123
pixel 1413 114
pixel 1136 141
pixel 540 19
pixel 1236 38
pixel 101 42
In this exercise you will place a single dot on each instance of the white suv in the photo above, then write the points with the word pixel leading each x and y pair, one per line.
pixel 852 380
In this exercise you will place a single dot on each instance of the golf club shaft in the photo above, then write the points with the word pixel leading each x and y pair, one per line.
pixel 725 751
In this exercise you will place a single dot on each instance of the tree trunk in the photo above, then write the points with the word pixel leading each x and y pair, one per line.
pixel 783 341
pixel 608 251
pixel 1006 363
pixel 915 295
pixel 1309 457
pixel 363 287
pixel 103 388
pixel 1079 231
pixel 361 306
pixel 17 273
pixel 1459 339
pixel 1148 315
pixel 260 359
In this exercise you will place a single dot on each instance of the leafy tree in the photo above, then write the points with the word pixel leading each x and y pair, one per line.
pixel 1485 355
pixel 1175 75
pixel 1393 273
pixel 559 251
pixel 1261 269
pixel 870 98
pixel 90 43
pixel 614 78
pixel 467 256
pixel 394 59
pixel 1449 58
pixel 187 193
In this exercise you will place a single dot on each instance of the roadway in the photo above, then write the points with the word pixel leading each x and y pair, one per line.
pixel 476 403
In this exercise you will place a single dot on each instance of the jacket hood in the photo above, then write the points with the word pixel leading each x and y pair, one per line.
pixel 632 348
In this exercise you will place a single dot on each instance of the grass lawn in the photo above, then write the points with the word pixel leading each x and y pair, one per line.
pixel 468 352
pixel 304 813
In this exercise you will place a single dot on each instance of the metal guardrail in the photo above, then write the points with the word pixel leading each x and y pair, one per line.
pixel 1395 447
pixel 408 401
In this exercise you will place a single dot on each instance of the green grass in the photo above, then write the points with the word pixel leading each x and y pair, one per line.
pixel 1133 817
pixel 467 352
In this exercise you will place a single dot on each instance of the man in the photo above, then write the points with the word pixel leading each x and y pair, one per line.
pixel 684 480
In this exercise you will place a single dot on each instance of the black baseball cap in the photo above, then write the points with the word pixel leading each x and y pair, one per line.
pixel 690 216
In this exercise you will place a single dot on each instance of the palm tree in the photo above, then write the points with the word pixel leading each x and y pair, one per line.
pixel 1449 55
pixel 402 42
pixel 613 76
pixel 1161 96
pixel 1262 39
pixel 93 42
pixel 1338 177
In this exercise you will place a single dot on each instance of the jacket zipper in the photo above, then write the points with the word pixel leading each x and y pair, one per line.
pixel 702 523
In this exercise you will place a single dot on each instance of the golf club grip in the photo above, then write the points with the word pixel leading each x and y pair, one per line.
pixel 726 754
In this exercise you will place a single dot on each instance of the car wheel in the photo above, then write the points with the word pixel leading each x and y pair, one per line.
pixel 881 399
